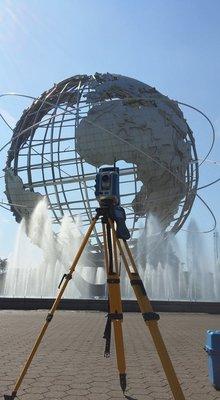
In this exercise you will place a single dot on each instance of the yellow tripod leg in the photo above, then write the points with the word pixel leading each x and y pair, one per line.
pixel 49 317
pixel 115 304
pixel 150 317
pixel 116 316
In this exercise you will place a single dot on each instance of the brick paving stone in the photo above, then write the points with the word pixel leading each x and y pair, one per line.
pixel 78 392
pixel 70 363
pixel 34 396
pixel 76 397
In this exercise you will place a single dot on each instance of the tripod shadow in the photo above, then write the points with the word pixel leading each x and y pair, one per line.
pixel 130 398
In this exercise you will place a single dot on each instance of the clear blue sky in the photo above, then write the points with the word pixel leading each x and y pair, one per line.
pixel 173 45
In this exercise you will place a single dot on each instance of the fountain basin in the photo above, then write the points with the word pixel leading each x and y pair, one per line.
pixel 7 303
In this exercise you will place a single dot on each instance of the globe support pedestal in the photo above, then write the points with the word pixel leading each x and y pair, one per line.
pixel 112 243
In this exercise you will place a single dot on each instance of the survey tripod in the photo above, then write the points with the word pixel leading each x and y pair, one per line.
pixel 113 247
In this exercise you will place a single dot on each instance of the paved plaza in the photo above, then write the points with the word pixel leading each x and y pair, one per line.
pixel 70 364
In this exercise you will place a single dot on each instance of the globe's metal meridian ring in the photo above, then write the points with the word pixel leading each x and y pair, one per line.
pixel 45 156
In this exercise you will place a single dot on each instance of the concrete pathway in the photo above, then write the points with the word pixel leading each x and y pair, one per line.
pixel 70 364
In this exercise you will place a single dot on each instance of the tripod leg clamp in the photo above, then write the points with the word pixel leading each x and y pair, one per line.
pixel 151 316
pixel 65 276
pixel 115 316
pixel 107 334
pixel 49 317
pixel 113 280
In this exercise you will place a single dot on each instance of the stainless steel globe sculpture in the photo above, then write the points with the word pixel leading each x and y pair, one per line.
pixel 87 121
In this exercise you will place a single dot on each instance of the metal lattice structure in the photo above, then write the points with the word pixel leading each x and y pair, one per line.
pixel 43 153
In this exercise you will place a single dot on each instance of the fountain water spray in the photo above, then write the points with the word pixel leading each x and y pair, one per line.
pixel 40 259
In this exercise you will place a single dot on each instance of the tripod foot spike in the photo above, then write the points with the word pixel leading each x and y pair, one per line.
pixel 123 383
pixel 10 396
